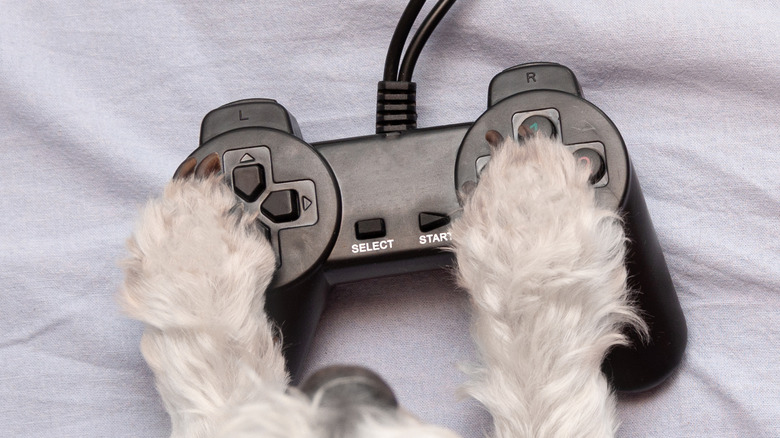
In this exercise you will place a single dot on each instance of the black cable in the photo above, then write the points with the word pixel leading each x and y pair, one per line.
pixel 421 37
pixel 399 38
pixel 396 99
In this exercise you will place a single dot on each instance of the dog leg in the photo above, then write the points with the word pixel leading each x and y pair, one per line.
pixel 543 265
pixel 196 276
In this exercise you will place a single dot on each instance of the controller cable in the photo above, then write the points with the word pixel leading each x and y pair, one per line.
pixel 396 102
pixel 398 40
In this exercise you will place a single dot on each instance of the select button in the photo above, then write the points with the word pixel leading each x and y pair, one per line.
pixel 370 229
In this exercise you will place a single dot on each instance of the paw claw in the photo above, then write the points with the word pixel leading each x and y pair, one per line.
pixel 524 133
pixel 465 192
pixel 186 168
pixel 209 166
pixel 494 138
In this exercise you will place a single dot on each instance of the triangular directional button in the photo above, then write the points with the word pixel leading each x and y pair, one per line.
pixel 306 203
pixel 247 158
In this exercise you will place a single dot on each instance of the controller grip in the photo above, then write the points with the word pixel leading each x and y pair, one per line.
pixel 646 363
pixel 296 310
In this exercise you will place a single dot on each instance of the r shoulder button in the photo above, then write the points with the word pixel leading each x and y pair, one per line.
pixel 532 76
pixel 431 221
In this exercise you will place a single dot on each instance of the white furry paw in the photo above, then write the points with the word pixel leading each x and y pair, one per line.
pixel 196 276
pixel 195 252
pixel 532 234
pixel 544 267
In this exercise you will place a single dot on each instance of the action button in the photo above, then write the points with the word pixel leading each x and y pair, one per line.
pixel 249 182
pixel 370 229
pixel 431 221
pixel 281 206
pixel 592 159
pixel 538 124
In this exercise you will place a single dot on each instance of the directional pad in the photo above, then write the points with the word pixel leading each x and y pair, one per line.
pixel 249 182
pixel 282 206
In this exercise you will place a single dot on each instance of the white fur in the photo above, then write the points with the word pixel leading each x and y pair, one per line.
pixel 196 276
pixel 542 263
pixel 544 268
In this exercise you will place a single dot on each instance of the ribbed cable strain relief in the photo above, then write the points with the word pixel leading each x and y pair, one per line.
pixel 396 106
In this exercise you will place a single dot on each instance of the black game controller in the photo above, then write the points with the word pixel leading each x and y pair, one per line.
pixel 356 208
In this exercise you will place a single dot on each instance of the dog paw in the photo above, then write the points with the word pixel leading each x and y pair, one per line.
pixel 544 266
pixel 196 254
pixel 532 222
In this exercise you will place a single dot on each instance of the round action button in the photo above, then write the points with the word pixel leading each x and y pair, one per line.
pixel 538 125
pixel 593 160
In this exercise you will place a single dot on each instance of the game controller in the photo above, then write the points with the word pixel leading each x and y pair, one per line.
pixel 350 209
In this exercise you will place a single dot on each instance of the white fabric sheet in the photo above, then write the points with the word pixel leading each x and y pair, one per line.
pixel 100 101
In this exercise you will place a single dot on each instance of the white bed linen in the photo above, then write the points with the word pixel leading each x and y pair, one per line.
pixel 100 101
